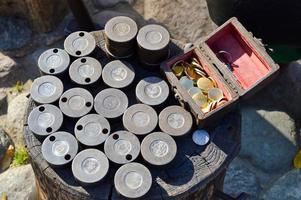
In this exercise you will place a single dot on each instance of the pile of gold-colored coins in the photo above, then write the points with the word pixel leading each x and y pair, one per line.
pixel 200 86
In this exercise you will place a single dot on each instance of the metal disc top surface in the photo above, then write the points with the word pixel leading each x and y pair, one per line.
pixel 85 70
pixel 54 61
pixel 59 148
pixel 158 148
pixel 92 130
pixel 90 166
pixel 122 147
pixel 110 103
pixel 133 180
pixel 140 119
pixel 80 44
pixel 175 121
pixel 152 91
pixel 153 37
pixel 45 119
pixel 118 74
pixel 121 29
pixel 76 102
pixel 46 89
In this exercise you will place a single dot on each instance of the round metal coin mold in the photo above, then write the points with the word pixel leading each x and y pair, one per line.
pixel 54 61
pixel 140 119
pixel 80 44
pixel 59 148
pixel 90 166
pixel 46 89
pixel 175 121
pixel 153 41
pixel 152 91
pixel 120 33
pixel 158 148
pixel 122 147
pixel 118 74
pixel 110 103
pixel 133 180
pixel 85 70
pixel 92 130
pixel 76 102
pixel 45 119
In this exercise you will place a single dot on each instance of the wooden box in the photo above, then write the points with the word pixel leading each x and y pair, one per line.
pixel 252 68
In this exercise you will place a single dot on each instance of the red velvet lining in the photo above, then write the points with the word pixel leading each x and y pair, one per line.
pixel 250 67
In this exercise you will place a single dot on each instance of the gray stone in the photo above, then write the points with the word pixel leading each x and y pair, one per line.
pixel 110 3
pixel 3 97
pixel 240 179
pixel 287 187
pixel 14 33
pixel 18 183
pixel 186 20
pixel 5 141
pixel 7 65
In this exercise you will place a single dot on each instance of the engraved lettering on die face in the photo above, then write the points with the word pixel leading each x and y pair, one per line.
pixel 80 43
pixel 152 90
pixel 176 120
pixel 133 180
pixel 86 70
pixel 118 74
pixel 76 102
pixel 92 129
pixel 90 165
pixel 122 147
pixel 141 119
pixel 46 89
pixel 154 37
pixel 53 61
pixel 159 148
pixel 46 119
pixel 60 148
pixel 121 29
pixel 111 102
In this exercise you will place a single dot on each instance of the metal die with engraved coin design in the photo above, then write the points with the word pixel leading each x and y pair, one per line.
pixel 120 34
pixel 175 121
pixel 85 71
pixel 90 166
pixel 111 103
pixel 153 42
pixel 59 148
pixel 76 102
pixel 133 180
pixel 54 61
pixel 152 91
pixel 122 147
pixel 140 119
pixel 92 130
pixel 80 44
pixel 158 148
pixel 45 119
pixel 118 74
pixel 46 89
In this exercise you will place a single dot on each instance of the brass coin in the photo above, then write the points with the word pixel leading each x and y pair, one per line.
pixel 215 94
pixel 213 81
pixel 200 72
pixel 177 69
pixel 221 102
pixel 210 106
pixel 196 63
pixel 201 98
pixel 191 74
pixel 205 84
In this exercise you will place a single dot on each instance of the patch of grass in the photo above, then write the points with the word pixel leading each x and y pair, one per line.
pixel 21 157
pixel 18 87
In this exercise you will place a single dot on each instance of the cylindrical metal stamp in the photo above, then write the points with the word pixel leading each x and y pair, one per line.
pixel 153 41
pixel 158 148
pixel 122 147
pixel 152 91
pixel 120 33
pixel 85 70
pixel 111 103
pixel 59 148
pixel 80 44
pixel 175 121
pixel 92 130
pixel 133 180
pixel 54 61
pixel 140 119
pixel 45 119
pixel 90 166
pixel 46 89
pixel 118 74
pixel 76 102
